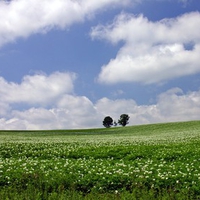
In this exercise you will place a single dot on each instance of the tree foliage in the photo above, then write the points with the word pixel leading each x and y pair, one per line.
pixel 108 122
pixel 123 120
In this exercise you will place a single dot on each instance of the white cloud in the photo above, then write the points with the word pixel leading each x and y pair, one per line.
pixel 153 51
pixel 45 102
pixel 35 118
pixel 114 108
pixel 77 111
pixel 65 110
pixel 175 106
pixel 172 105
pixel 5 108
pixel 12 124
pixel 38 89
pixel 21 18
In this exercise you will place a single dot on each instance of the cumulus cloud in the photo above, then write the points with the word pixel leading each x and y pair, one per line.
pixel 45 102
pixel 38 89
pixel 34 118
pixel 21 18
pixel 152 52
pixel 115 107
pixel 65 110
pixel 172 105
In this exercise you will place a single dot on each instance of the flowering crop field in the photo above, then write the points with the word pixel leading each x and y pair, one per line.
pixel 157 161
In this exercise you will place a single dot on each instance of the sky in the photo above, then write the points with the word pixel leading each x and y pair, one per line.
pixel 67 64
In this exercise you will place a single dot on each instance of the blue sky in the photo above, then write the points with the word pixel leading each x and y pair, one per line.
pixel 67 64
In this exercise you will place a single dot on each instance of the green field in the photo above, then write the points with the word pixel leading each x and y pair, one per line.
pixel 157 161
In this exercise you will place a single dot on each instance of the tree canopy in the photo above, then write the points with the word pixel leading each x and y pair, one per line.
pixel 108 122
pixel 123 120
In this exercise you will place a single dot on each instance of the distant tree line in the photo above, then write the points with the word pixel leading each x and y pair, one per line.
pixel 123 121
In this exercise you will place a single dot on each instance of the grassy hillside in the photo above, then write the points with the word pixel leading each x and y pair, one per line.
pixel 157 161
pixel 155 132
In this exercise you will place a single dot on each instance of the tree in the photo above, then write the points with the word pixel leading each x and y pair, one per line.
pixel 123 120
pixel 108 122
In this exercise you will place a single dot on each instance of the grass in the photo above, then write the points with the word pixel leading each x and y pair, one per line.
pixel 156 161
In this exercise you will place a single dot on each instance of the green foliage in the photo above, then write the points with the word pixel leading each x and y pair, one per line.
pixel 108 122
pixel 157 161
pixel 123 120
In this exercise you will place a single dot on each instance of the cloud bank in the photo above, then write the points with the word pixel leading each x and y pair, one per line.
pixel 152 52
pixel 49 102
pixel 21 18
